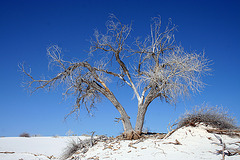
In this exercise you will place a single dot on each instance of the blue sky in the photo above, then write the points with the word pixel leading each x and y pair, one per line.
pixel 27 28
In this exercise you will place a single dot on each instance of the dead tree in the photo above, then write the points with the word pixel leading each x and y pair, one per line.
pixel 155 67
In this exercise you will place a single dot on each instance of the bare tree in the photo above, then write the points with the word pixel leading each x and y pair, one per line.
pixel 155 67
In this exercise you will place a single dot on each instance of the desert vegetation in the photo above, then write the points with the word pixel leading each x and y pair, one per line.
pixel 214 116
pixel 24 134
pixel 216 121
pixel 81 146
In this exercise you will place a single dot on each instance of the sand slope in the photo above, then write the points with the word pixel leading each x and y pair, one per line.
pixel 185 143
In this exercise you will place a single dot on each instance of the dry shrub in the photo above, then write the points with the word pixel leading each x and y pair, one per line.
pixel 81 145
pixel 72 148
pixel 216 117
pixel 24 134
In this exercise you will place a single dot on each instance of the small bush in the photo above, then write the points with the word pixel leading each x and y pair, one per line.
pixel 56 136
pixel 24 135
pixel 72 148
pixel 216 117
pixel 36 135
pixel 81 145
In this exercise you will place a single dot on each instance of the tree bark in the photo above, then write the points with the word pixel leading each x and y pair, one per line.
pixel 128 129
pixel 140 119
pixel 142 108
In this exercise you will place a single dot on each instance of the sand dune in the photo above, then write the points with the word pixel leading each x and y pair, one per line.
pixel 184 143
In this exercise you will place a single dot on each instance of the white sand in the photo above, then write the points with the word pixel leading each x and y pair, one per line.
pixel 195 143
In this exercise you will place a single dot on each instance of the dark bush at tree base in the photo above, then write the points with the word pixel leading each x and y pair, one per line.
pixel 24 135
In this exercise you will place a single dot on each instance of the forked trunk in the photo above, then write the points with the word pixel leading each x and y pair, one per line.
pixel 140 119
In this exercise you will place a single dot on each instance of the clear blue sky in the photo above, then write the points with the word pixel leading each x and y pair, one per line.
pixel 27 28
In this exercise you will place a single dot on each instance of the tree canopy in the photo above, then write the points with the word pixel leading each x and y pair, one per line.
pixel 153 67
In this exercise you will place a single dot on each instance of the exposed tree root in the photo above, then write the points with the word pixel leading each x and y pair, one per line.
pixel 136 136
pixel 129 136
pixel 225 132
pixel 169 133
pixel 226 151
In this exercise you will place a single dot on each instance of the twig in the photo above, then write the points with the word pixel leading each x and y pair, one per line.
pixel 169 133
pixel 91 140
pixel 176 142
pixel 223 146
pixel 226 132
pixel 7 152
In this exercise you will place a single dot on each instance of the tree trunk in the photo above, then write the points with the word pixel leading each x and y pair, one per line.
pixel 128 129
pixel 140 119
pixel 142 108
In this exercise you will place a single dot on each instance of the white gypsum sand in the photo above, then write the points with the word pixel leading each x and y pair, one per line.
pixel 184 143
